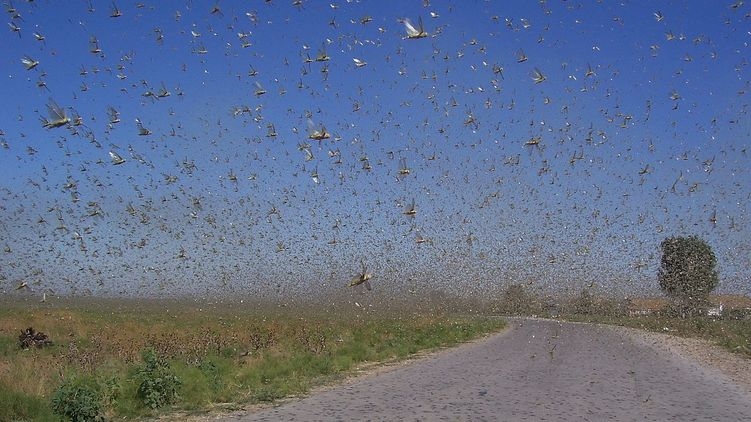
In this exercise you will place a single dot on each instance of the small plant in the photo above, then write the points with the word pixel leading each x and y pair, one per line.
pixel 267 393
pixel 687 272
pixel 212 374
pixel 77 402
pixel 158 384
pixel 110 390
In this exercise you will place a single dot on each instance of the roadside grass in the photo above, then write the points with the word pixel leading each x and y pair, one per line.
pixel 218 356
pixel 18 406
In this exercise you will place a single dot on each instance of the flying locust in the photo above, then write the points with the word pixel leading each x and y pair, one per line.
pixel 362 278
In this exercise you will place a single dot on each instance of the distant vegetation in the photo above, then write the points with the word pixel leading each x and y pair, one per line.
pixel 731 329
pixel 142 360
pixel 516 300
pixel 687 273
pixel 519 300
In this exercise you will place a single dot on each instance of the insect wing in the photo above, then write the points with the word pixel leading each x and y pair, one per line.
pixel 411 31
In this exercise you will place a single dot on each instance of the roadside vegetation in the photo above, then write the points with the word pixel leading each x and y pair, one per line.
pixel 131 359
pixel 732 334
pixel 687 276
pixel 730 329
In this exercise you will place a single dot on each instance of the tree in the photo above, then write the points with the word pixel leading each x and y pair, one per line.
pixel 687 272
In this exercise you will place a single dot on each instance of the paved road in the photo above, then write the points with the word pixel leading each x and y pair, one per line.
pixel 539 370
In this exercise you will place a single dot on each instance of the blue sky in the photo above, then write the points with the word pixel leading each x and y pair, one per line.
pixel 638 131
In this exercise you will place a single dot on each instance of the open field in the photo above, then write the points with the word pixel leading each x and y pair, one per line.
pixel 219 355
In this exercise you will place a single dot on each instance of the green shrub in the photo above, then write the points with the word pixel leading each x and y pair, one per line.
pixel 78 402
pixel 158 384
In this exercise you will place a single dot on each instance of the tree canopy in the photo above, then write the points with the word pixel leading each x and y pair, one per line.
pixel 687 271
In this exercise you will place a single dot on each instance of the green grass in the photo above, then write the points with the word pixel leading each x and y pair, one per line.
pixel 17 406
pixel 223 356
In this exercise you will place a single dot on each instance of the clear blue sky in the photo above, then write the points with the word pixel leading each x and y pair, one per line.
pixel 641 129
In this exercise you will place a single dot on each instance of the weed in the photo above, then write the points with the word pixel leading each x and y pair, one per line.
pixel 158 384
pixel 267 393
pixel 110 390
pixel 262 339
pixel 211 372
pixel 78 402
pixel 311 340
pixel 7 346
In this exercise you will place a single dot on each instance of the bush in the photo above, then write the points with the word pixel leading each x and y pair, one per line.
pixel 687 272
pixel 158 384
pixel 77 402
